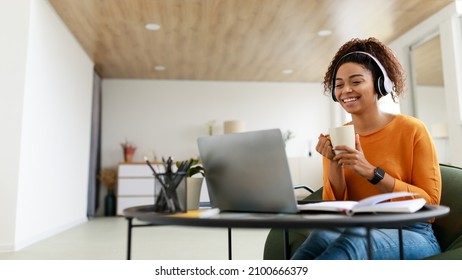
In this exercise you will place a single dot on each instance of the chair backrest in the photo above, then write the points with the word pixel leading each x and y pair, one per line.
pixel 449 228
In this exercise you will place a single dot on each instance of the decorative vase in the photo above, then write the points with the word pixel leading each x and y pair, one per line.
pixel 128 157
pixel 129 151
pixel 193 192
pixel 110 204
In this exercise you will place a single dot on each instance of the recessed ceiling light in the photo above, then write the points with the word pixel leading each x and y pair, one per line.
pixel 160 68
pixel 287 71
pixel 324 33
pixel 152 26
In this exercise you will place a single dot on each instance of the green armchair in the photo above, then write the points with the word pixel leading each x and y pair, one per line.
pixel 448 229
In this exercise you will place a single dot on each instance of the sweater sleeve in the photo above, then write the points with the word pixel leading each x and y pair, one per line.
pixel 424 169
pixel 327 192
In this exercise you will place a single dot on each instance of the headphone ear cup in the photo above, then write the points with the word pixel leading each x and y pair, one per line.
pixel 388 86
pixel 383 87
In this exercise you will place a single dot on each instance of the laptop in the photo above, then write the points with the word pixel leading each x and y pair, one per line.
pixel 248 172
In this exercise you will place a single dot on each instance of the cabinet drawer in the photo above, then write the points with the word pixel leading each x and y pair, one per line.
pixel 135 186
pixel 135 170
pixel 126 202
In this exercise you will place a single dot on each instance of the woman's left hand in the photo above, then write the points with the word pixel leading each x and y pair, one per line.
pixel 354 159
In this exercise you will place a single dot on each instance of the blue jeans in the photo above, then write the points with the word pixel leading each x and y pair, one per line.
pixel 351 244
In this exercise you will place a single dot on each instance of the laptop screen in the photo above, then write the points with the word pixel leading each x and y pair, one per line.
pixel 248 172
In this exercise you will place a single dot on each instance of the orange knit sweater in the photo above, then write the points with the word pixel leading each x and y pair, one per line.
pixel 404 150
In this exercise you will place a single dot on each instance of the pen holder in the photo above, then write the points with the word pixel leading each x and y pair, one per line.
pixel 171 190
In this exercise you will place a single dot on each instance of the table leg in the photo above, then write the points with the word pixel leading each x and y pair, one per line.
pixel 230 245
pixel 401 247
pixel 369 243
pixel 129 238
pixel 285 235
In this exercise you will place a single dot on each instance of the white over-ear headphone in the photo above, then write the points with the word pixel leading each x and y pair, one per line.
pixel 383 87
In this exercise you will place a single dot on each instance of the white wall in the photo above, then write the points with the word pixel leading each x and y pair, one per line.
pixel 451 42
pixel 166 117
pixel 12 74
pixel 447 23
pixel 431 105
pixel 51 181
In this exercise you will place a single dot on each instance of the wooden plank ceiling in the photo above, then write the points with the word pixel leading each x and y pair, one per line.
pixel 231 40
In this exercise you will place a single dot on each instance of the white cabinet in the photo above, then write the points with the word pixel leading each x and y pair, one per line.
pixel 135 186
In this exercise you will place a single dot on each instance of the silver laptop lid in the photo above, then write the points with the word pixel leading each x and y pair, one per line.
pixel 248 172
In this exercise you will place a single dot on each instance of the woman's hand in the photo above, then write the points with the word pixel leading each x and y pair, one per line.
pixel 324 147
pixel 354 159
pixel 336 176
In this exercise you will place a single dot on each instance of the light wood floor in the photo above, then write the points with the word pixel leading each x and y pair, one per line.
pixel 105 238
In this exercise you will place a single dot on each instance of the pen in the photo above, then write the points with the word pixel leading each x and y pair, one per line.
pixel 165 190
pixel 150 166
pixel 209 213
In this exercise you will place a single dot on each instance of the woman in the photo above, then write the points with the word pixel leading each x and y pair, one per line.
pixel 393 153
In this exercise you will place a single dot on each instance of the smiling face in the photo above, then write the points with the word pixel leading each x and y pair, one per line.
pixel 354 88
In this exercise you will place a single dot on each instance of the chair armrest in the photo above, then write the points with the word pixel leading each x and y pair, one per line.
pixel 305 187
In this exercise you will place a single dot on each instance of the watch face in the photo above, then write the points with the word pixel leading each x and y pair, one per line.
pixel 379 172
pixel 378 175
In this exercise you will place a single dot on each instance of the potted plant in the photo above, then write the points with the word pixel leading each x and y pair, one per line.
pixel 108 177
pixel 129 151
pixel 288 135
pixel 193 183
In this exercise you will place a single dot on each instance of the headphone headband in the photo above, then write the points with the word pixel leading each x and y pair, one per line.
pixel 383 87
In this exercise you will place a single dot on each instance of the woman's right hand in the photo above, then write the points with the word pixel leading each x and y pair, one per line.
pixel 324 147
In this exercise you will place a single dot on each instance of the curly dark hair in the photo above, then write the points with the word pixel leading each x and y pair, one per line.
pixel 375 48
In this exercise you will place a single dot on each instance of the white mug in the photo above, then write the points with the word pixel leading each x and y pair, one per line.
pixel 342 136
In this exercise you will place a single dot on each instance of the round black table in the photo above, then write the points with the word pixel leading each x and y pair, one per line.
pixel 285 221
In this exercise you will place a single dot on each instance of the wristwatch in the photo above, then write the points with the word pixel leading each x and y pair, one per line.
pixel 378 175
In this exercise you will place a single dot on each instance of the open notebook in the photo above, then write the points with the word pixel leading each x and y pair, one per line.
pixel 377 203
